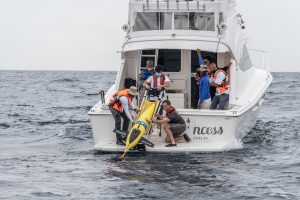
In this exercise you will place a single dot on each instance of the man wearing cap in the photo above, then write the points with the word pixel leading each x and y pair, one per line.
pixel 158 80
pixel 119 107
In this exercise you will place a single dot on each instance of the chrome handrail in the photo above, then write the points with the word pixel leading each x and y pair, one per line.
pixel 152 5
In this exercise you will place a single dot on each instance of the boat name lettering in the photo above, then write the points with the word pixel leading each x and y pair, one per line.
pixel 208 131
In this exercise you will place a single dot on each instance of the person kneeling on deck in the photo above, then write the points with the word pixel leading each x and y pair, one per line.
pixel 173 124
pixel 158 80
pixel 119 107
pixel 221 82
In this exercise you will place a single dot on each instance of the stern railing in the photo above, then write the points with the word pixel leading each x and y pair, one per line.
pixel 177 5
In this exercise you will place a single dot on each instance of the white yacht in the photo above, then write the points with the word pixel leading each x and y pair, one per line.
pixel 168 32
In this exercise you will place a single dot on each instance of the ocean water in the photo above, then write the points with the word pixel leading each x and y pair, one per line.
pixel 46 147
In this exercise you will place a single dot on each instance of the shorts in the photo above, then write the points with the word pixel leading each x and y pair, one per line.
pixel 206 104
pixel 177 129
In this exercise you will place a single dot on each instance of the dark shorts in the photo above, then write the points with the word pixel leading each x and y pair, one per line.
pixel 177 129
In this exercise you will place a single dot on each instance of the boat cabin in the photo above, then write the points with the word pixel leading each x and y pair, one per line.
pixel 168 32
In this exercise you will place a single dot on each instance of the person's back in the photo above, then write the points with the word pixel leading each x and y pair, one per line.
pixel 212 68
pixel 204 91
pixel 174 117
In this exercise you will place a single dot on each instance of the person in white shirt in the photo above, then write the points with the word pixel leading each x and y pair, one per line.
pixel 158 80
pixel 220 81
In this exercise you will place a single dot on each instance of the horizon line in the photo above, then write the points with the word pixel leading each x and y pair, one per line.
pixel 94 70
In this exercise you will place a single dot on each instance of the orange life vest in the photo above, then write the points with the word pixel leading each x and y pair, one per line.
pixel 162 80
pixel 117 105
pixel 225 85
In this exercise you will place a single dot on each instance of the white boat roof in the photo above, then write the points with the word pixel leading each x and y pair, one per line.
pixel 191 43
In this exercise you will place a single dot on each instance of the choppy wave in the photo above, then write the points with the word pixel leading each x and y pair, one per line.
pixel 4 125
pixel 68 80
pixel 46 147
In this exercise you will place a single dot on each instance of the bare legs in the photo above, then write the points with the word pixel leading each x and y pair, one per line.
pixel 170 136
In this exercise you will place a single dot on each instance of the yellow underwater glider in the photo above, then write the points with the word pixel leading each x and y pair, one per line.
pixel 141 127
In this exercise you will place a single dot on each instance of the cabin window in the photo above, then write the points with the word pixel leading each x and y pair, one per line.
pixel 181 21
pixel 194 21
pixel 170 59
pixel 149 52
pixel 146 21
pixel 202 21
pixel 152 21
pixel 245 61
pixel 147 55
pixel 166 21
pixel 221 18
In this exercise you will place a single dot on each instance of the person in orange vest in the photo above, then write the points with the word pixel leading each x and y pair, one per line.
pixel 220 81
pixel 119 107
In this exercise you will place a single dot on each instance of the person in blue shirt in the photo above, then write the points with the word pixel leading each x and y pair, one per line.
pixel 204 89
pixel 149 70
pixel 211 67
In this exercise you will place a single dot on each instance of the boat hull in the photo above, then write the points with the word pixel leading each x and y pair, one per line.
pixel 208 132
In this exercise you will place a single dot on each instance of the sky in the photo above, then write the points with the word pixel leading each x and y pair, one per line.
pixel 87 35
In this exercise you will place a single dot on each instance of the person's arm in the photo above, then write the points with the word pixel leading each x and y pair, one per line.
pixel 213 84
pixel 167 83
pixel 219 79
pixel 147 82
pixel 162 121
pixel 125 107
pixel 228 71
pixel 201 62
pixel 133 106
pixel 144 76
pixel 160 116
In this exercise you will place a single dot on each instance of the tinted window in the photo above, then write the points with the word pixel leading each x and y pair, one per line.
pixel 170 59
pixel 181 21
pixel 152 21
pixel 144 60
pixel 166 21
pixel 149 52
pixel 202 21
pixel 146 21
